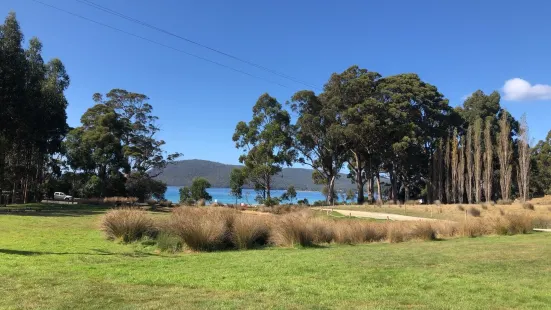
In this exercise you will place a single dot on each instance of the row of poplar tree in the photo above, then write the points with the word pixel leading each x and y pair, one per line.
pixel 400 126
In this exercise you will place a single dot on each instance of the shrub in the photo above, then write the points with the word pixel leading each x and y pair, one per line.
pixel 201 202
pixel 541 222
pixel 291 230
pixel 167 242
pixel 322 230
pixel 396 233
pixel 528 206
pixel 474 212
pixel 460 208
pixel 504 202
pixel 484 206
pixel 203 229
pixel 127 224
pixel 518 224
pixel 474 228
pixel 348 232
pixel 249 231
pixel 423 230
pixel 446 228
pixel 120 200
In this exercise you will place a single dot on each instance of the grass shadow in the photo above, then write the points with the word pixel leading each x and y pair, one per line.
pixel 97 252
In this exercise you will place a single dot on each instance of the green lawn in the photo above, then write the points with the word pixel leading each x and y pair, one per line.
pixel 60 260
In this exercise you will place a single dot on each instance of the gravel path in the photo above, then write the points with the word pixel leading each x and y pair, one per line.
pixel 380 216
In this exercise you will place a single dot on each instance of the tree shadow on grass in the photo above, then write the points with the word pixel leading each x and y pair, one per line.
pixel 47 211
pixel 96 252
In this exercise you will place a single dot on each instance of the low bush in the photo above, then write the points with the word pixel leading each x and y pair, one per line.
pixel 460 208
pixel 528 206
pixel 203 229
pixel 474 228
pixel 249 231
pixel 423 230
pixel 512 224
pixel 167 242
pixel 396 232
pixel 446 229
pixel 541 222
pixel 474 212
pixel 484 206
pixel 120 200
pixel 322 230
pixel 201 202
pixel 291 230
pixel 127 224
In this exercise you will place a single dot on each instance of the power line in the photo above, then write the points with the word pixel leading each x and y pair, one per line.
pixel 137 21
pixel 160 44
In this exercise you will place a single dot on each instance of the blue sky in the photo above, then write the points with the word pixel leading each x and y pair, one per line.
pixel 459 46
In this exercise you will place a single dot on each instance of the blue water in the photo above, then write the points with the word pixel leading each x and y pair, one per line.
pixel 222 195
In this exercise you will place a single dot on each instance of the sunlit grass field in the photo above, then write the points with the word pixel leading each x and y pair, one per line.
pixel 61 260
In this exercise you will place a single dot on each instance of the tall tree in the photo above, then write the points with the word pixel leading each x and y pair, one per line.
pixel 477 139
pixel 505 153
pixel 320 139
pixel 470 166
pixel 354 92
pixel 32 113
pixel 267 144
pixel 455 165
pixel 524 158
pixel 448 171
pixel 540 167
pixel 461 170
pixel 417 116
pixel 488 160
pixel 142 150
pixel 237 180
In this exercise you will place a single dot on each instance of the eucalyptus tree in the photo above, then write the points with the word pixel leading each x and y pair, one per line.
pixel 267 144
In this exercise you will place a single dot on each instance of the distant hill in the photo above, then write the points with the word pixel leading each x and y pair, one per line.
pixel 182 173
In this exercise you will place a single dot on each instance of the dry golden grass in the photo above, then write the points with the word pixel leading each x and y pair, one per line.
pixel 203 229
pixel 249 231
pixel 215 228
pixel 291 230
pixel 127 224
pixel 454 212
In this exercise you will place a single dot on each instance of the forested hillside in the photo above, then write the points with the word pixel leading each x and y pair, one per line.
pixel 181 173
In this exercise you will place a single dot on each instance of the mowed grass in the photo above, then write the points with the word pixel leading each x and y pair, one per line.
pixel 62 261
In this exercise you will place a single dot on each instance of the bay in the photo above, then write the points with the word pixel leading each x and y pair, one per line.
pixel 222 195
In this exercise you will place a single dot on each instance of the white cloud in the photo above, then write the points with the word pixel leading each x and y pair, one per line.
pixel 520 90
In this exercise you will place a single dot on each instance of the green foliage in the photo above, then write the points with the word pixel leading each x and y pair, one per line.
pixel 199 189
pixel 266 143
pixel 93 187
pixel 540 174
pixel 237 180
pixel 32 113
pixel 185 194
pixel 143 187
pixel 289 195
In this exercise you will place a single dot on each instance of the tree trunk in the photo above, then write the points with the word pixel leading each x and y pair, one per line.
pixel 360 187
pixel 330 190
pixel 379 198
pixel 394 189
